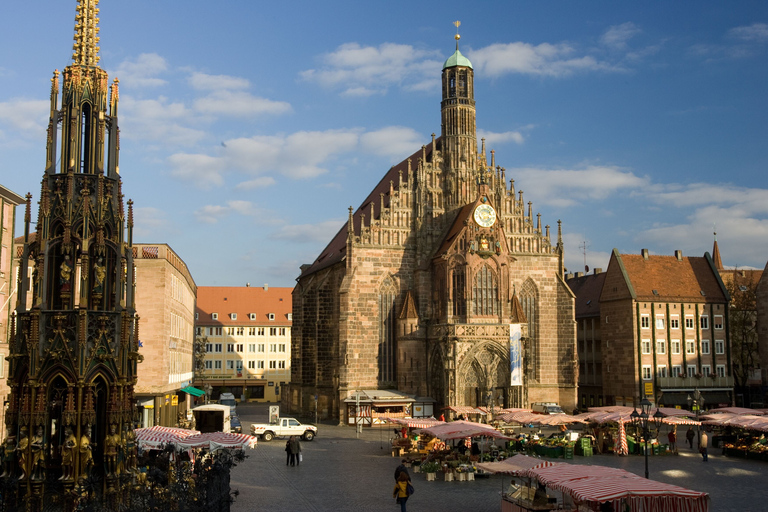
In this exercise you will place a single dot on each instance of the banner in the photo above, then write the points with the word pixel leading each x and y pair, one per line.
pixel 515 355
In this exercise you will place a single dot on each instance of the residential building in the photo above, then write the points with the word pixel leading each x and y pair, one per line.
pixel 664 325
pixel 247 335
pixel 432 283
pixel 165 304
pixel 587 289
pixel 8 282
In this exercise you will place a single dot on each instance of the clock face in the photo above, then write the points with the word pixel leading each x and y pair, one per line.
pixel 485 215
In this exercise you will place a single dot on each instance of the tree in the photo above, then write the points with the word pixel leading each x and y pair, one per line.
pixel 742 287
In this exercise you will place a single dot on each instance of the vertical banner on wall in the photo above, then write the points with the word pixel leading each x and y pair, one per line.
pixel 515 355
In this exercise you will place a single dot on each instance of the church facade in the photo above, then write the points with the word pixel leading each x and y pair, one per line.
pixel 442 284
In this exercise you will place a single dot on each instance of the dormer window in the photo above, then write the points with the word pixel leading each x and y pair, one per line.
pixel 252 316
pixel 290 317
pixel 271 316
pixel 214 316
pixel 233 316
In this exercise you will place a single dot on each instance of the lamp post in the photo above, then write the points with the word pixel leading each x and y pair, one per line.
pixel 644 421
pixel 695 405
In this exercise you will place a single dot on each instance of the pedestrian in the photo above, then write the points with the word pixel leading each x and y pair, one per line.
pixel 288 455
pixel 689 436
pixel 401 469
pixel 296 449
pixel 400 492
pixel 672 436
pixel 703 446
pixel 404 431
pixel 442 417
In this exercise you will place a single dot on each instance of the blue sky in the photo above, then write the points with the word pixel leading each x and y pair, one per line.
pixel 248 128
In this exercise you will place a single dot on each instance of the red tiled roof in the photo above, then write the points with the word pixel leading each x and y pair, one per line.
pixel 681 280
pixel 456 227
pixel 337 248
pixel 243 301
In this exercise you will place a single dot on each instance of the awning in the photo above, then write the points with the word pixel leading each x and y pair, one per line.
pixel 514 465
pixel 674 399
pixel 714 398
pixel 193 391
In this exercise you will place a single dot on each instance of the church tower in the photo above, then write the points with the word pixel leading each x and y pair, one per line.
pixel 459 129
pixel 74 352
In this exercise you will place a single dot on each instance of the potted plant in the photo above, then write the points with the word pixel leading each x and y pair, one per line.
pixel 429 468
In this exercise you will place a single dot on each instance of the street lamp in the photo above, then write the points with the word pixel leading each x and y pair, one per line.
pixel 695 405
pixel 644 421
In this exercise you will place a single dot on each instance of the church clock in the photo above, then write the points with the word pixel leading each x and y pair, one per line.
pixel 485 215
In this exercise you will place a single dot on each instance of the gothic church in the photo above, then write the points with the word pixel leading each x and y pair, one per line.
pixel 426 288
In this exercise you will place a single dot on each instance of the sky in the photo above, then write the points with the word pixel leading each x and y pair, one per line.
pixel 249 127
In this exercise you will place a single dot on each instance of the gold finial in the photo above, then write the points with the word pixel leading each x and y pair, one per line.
pixel 86 38
pixel 457 23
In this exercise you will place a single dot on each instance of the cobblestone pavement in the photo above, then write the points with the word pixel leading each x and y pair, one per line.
pixel 342 472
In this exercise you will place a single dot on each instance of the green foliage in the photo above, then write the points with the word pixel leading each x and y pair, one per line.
pixel 429 467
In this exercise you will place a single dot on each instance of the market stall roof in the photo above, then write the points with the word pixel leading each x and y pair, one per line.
pixel 514 465
pixel 622 414
pixel 413 422
pixel 525 418
pixel 745 421
pixel 216 440
pixel 152 438
pixel 380 397
pixel 193 391
pixel 464 409
pixel 454 427
pixel 737 410
pixel 598 484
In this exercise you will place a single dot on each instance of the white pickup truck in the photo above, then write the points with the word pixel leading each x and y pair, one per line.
pixel 283 427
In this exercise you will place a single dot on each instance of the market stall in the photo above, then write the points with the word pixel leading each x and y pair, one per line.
pixel 212 441
pixel 154 438
pixel 740 435
pixel 589 487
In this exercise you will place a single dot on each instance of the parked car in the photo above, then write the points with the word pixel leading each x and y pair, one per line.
pixel 283 427
pixel 547 408
pixel 228 399
pixel 234 424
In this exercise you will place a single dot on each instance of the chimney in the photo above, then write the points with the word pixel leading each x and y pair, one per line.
pixel 266 287
pixel 579 274
pixel 247 285
pixel 644 253
pixel 597 271
pixel 569 276
pixel 679 255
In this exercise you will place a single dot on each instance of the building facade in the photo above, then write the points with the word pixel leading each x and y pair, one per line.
pixel 432 283
pixel 8 282
pixel 247 336
pixel 587 289
pixel 165 303
pixel 74 352
pixel 664 327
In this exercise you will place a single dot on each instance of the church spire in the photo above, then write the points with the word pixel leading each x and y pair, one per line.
pixel 86 47
pixel 716 255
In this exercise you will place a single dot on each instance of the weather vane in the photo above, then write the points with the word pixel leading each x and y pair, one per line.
pixel 457 36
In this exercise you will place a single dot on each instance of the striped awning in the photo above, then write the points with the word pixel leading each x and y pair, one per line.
pixel 459 429
pixel 213 441
pixel 413 422
pixel 464 409
pixel 157 436
pixel 514 465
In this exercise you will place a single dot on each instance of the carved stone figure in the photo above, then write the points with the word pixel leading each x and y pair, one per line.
pixel 99 273
pixel 68 455
pixel 86 453
pixel 9 457
pixel 65 275
pixel 38 454
pixel 21 449
pixel 112 445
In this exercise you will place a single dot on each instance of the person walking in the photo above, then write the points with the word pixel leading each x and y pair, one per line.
pixel 672 436
pixel 288 455
pixel 703 446
pixel 401 469
pixel 400 492
pixel 296 449
pixel 689 436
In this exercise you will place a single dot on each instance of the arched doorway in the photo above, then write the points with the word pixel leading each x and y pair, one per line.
pixel 484 376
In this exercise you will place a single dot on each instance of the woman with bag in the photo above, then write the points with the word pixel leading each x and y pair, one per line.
pixel 403 490
pixel 295 449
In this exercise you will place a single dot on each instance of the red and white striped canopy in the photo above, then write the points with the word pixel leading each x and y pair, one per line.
pixel 462 428
pixel 155 437
pixel 514 465
pixel 413 422
pixel 213 441
pixel 599 484
pixel 527 417
pixel 464 409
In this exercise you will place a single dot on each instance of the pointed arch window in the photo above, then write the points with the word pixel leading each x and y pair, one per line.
pixel 485 292
pixel 387 326
pixel 458 285
pixel 85 139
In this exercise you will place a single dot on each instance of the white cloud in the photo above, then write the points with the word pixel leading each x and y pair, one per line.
pixel 617 36
pixel 366 70
pixel 392 141
pixel 238 104
pixel 27 116
pixel 555 60
pixel 141 72
pixel 202 170
pixel 159 120
pixel 205 82
pixel 211 214
pixel 261 182
pixel 569 187
pixel 149 222
pixel 757 33
pixel 493 139
pixel 320 232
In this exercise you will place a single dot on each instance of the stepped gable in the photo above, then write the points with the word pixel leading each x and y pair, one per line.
pixel 335 251
pixel 673 279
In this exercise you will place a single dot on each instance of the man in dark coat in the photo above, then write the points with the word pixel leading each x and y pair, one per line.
pixel 401 469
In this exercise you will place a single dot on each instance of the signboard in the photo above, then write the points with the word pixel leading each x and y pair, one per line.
pixel 649 389
pixel 274 414
pixel 175 400
pixel 515 355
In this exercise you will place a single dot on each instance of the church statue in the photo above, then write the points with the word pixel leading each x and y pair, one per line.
pixel 68 455
pixel 112 445
pixel 22 451
pixel 128 451
pixel 38 454
pixel 99 273
pixel 86 455
pixel 65 275
pixel 9 456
